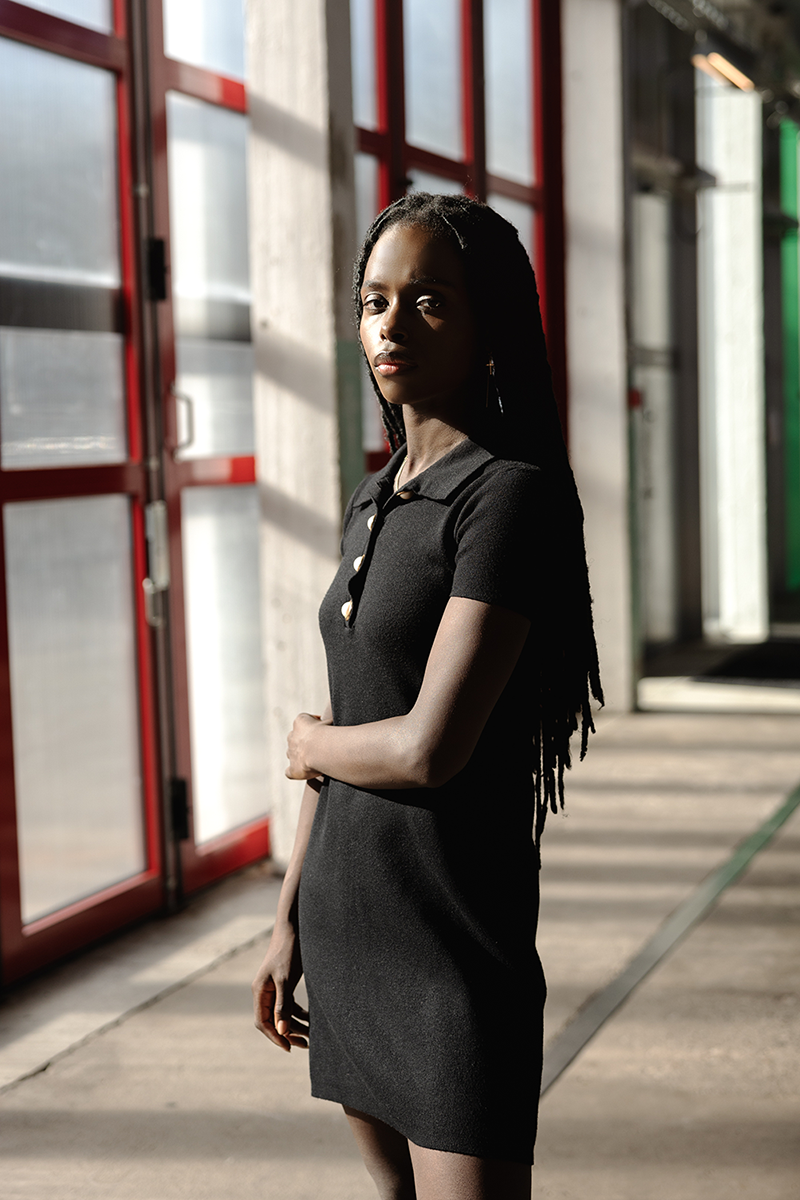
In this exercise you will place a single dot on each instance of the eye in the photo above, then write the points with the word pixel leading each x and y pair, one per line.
pixel 374 302
pixel 430 302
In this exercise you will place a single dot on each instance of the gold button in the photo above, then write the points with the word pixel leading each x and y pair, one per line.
pixel 371 521
pixel 357 562
pixel 347 608
pixel 404 495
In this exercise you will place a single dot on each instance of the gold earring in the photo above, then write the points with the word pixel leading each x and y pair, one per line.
pixel 490 374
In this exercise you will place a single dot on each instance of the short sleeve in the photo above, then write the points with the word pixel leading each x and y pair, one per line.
pixel 495 538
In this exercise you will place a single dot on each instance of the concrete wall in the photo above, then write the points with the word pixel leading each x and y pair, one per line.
pixel 302 236
pixel 596 348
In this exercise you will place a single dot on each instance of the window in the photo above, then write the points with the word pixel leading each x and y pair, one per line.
pixel 464 96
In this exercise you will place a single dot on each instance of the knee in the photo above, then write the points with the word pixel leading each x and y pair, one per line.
pixel 392 1182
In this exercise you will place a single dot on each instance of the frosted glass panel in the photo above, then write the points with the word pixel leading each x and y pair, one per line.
pixel 520 215
pixel 432 46
pixel 366 192
pixel 509 88
pixel 208 33
pixel 74 698
pixel 423 181
pixel 226 699
pixel 58 191
pixel 218 379
pixel 363 50
pixel 208 204
pixel 61 398
pixel 94 13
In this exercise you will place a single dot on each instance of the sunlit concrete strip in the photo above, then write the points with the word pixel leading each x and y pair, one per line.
pixel 568 1045
pixel 53 1016
pixel 682 693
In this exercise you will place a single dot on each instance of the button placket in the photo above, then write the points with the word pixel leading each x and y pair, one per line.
pixel 348 607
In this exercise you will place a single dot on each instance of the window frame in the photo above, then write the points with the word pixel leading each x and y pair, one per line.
pixel 396 157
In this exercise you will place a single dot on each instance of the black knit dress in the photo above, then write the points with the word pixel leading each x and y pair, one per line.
pixel 418 908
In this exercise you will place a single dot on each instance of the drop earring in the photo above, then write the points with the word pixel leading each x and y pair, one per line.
pixel 491 386
pixel 489 379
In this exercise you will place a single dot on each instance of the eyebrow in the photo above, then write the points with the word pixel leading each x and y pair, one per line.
pixel 428 280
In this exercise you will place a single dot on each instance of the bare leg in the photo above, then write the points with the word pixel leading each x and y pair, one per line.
pixel 440 1175
pixel 386 1155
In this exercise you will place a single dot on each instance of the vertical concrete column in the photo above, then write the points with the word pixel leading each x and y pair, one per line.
pixel 730 273
pixel 596 348
pixel 308 424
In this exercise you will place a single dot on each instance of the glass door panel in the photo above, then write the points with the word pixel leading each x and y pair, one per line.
pixel 74 698
pixel 426 181
pixel 226 674
pixel 363 44
pixel 62 401
pixel 432 46
pixel 210 277
pixel 509 89
pixel 58 193
pixel 206 33
pixel 62 396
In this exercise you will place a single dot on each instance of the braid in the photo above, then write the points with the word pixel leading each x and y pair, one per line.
pixel 506 304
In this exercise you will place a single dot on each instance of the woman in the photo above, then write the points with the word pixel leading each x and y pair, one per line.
pixel 460 649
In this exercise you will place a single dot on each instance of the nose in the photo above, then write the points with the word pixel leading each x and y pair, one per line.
pixel 392 325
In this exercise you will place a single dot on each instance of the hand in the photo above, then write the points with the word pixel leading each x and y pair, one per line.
pixel 277 1015
pixel 297 749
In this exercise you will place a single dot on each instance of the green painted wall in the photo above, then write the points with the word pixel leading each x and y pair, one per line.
pixel 790 286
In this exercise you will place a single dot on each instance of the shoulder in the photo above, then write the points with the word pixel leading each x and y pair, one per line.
pixel 504 483
pixel 510 474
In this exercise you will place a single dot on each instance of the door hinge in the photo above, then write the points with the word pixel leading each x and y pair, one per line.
pixel 179 809
pixel 156 268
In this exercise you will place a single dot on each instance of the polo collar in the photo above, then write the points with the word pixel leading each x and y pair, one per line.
pixel 441 480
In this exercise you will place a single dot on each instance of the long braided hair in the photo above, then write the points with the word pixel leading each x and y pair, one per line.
pixel 521 424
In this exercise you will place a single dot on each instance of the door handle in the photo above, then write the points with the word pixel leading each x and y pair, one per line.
pixel 157 582
pixel 186 399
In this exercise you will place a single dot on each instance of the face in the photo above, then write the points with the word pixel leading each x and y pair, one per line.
pixel 417 328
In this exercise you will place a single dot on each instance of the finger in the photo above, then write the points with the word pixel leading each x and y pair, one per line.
pixel 282 1000
pixel 264 1005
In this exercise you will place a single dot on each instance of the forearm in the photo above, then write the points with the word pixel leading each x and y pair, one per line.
pixel 393 753
pixel 287 901
pixel 475 650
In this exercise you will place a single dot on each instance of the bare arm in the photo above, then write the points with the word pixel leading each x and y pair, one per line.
pixel 475 650
pixel 276 1013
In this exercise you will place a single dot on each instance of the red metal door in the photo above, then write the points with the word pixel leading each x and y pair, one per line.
pixel 130 675
pixel 199 123
pixel 81 848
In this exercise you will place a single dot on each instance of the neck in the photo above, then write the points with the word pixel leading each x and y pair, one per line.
pixel 428 439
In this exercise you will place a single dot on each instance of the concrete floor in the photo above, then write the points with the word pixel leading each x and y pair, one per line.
pixel 159 1088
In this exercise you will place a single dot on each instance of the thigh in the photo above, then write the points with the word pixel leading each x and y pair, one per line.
pixel 440 1175
pixel 385 1153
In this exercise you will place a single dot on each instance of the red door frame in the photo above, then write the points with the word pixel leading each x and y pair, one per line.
pixel 24 949
pixel 396 157
pixel 199 865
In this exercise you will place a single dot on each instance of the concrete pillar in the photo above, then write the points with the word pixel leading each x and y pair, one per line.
pixel 731 359
pixel 596 347
pixel 307 399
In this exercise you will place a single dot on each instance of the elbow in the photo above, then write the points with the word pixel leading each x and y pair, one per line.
pixel 433 766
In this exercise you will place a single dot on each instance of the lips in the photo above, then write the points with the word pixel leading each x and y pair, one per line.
pixel 389 364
